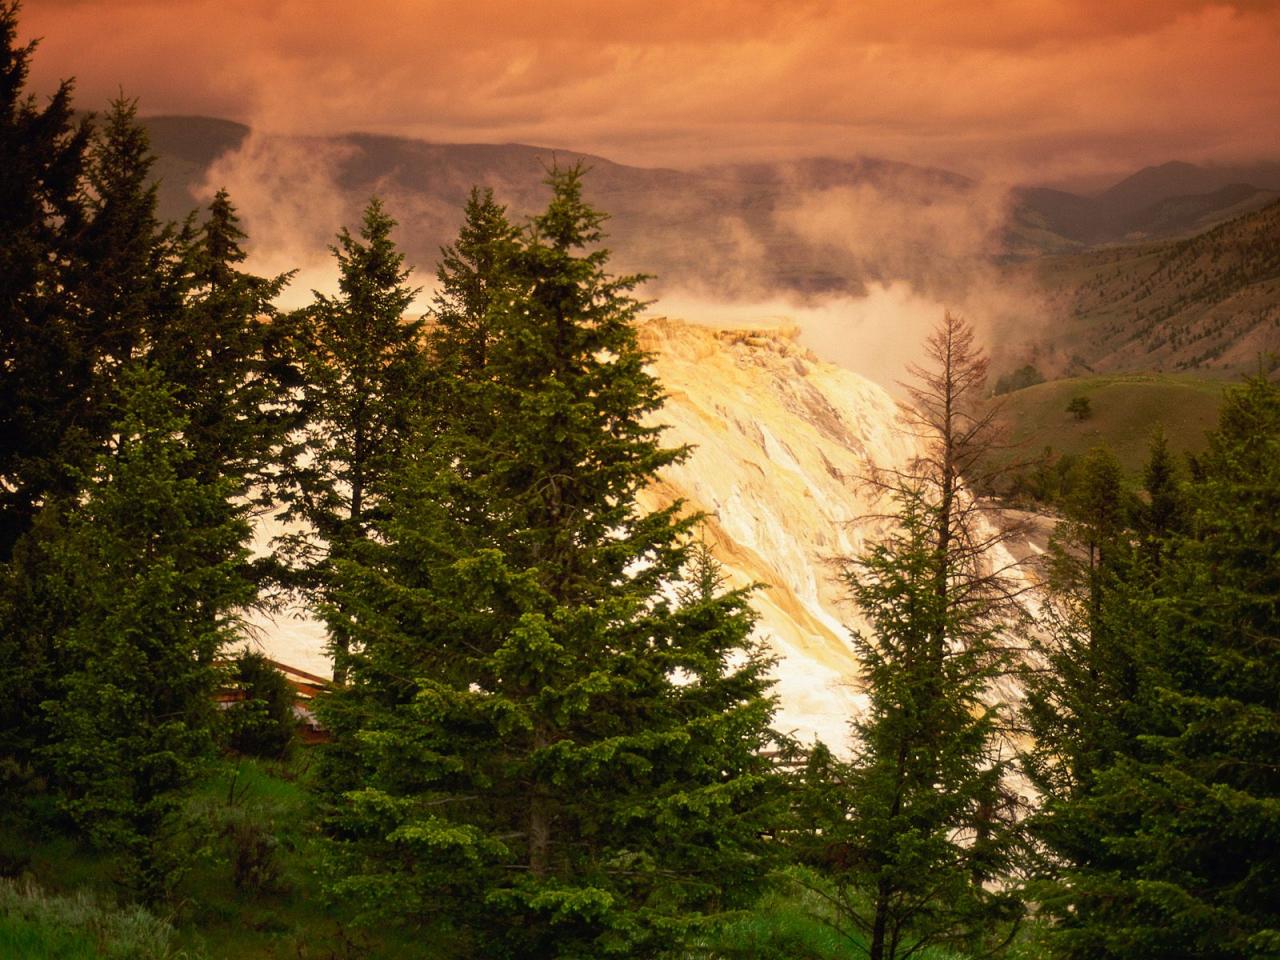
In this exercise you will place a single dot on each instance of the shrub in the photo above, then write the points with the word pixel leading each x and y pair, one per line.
pixel 262 724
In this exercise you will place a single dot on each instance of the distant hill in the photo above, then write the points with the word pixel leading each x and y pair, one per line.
pixel 1209 302
pixel 1171 268
pixel 1125 410
pixel 1172 200
pixel 733 229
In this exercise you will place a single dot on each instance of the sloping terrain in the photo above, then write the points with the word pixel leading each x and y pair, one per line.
pixel 1125 410
pixel 1209 303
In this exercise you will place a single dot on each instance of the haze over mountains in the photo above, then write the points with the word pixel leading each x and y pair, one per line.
pixel 725 227
pixel 1168 200
pixel 1029 264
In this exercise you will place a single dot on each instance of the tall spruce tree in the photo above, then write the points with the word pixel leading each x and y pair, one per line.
pixel 363 380
pixel 149 564
pixel 1164 514
pixel 476 279
pixel 916 826
pixel 225 354
pixel 561 744
pixel 478 283
pixel 132 270
pixel 42 156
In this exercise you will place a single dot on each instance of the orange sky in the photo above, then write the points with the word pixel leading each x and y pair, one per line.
pixel 1031 88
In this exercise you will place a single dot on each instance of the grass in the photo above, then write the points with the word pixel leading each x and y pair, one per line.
pixel 258 895
pixel 1125 412
pixel 252 822
pixel 37 925
pixel 794 921
pixel 789 921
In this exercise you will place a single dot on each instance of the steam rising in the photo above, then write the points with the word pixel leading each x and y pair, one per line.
pixel 863 257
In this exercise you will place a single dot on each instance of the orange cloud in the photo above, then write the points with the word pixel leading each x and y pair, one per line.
pixel 1044 86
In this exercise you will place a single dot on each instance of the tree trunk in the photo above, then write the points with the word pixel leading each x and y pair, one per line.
pixel 539 817
pixel 880 924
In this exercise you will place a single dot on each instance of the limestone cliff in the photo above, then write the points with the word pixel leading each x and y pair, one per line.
pixel 781 444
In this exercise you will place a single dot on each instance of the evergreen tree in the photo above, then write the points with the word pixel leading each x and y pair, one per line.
pixel 42 159
pixel 363 371
pixel 1082 705
pixel 1165 513
pixel 915 827
pixel 561 758
pixel 476 283
pixel 263 723
pixel 225 354
pixel 132 270
pixel 150 565
pixel 1185 821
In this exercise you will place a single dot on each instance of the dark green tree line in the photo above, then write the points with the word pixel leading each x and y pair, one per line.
pixel 1162 838
pixel 42 153
pixel 140 395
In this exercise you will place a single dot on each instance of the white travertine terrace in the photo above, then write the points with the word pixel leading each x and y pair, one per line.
pixel 783 442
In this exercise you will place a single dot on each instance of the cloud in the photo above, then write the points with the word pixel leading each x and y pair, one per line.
pixel 900 243
pixel 967 83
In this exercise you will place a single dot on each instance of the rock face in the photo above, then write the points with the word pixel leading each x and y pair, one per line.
pixel 781 442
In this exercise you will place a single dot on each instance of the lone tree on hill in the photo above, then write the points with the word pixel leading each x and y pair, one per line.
pixel 1080 408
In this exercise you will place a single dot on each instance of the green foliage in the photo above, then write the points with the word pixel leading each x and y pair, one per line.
pixel 1178 830
pixel 477 281
pixel 1082 705
pixel 262 724
pixel 150 566
pixel 914 829
pixel 35 925
pixel 1165 514
pixel 1080 407
pixel 912 826
pixel 363 389
pixel 224 352
pixel 557 758
pixel 42 154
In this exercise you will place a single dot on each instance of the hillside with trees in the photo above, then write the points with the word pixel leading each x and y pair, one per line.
pixel 1210 302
